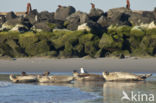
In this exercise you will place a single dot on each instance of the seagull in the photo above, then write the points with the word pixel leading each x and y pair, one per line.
pixel 82 71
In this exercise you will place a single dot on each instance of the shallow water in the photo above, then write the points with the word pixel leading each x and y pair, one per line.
pixel 76 92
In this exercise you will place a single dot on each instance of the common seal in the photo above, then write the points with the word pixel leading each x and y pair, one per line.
pixel 87 76
pixel 124 76
pixel 55 79
pixel 23 79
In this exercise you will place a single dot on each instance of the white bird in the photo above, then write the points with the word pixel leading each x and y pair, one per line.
pixel 82 70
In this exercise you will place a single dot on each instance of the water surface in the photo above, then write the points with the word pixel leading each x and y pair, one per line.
pixel 76 92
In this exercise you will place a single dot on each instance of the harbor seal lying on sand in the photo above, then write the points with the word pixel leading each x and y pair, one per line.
pixel 87 76
pixel 23 79
pixel 55 79
pixel 124 76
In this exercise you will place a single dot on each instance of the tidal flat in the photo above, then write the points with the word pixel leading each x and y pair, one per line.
pixel 130 64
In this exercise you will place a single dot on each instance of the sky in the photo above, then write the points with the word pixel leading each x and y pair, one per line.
pixel 83 5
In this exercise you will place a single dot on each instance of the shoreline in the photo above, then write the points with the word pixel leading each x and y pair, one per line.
pixel 41 64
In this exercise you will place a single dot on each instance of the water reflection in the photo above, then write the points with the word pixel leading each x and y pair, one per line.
pixel 4 77
pixel 108 92
pixel 112 91
pixel 57 84
pixel 90 86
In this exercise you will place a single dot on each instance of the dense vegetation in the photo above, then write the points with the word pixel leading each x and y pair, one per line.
pixel 132 41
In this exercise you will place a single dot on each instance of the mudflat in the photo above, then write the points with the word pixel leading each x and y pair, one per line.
pixel 68 65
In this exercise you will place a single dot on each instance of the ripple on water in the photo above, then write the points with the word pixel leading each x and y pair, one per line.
pixel 29 93
pixel 4 84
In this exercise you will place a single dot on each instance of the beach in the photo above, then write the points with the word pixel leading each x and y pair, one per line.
pixel 76 91
pixel 39 64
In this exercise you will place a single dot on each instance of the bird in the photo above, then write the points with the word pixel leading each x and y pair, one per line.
pixel 82 71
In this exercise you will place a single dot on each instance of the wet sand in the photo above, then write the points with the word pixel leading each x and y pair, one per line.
pixel 68 65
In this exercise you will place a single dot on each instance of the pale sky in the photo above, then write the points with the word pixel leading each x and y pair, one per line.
pixel 83 5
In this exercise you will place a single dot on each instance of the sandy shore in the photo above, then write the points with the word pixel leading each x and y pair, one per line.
pixel 68 65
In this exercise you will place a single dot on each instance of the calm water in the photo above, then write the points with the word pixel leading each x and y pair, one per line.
pixel 76 92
